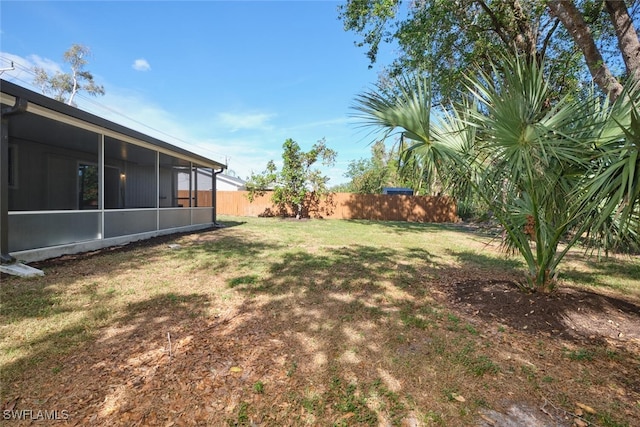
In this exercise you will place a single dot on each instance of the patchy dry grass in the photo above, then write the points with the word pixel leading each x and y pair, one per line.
pixel 276 322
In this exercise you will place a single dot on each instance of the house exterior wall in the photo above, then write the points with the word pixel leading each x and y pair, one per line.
pixel 226 186
pixel 230 183
pixel 78 181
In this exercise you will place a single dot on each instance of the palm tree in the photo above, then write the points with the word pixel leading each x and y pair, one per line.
pixel 451 127
pixel 536 155
pixel 552 172
pixel 522 155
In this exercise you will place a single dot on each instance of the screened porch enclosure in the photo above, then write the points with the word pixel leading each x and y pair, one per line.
pixel 69 183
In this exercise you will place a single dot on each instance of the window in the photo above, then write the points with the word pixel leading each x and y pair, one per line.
pixel 87 186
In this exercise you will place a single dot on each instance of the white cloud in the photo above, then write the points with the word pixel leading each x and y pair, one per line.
pixel 141 65
pixel 323 124
pixel 243 153
pixel 234 122
pixel 136 112
pixel 22 71
pixel 49 65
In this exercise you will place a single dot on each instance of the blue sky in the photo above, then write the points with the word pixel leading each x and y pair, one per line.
pixel 230 80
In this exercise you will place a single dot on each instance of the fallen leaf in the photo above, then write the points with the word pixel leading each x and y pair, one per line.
pixel 235 369
pixel 490 421
pixel 346 416
pixel 579 423
pixel 585 408
pixel 457 397
pixel 10 404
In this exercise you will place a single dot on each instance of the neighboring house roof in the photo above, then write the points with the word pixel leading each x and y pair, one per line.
pixel 35 99
pixel 232 180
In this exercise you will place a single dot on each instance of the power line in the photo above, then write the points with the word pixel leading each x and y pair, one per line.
pixel 9 68
pixel 17 66
pixel 173 137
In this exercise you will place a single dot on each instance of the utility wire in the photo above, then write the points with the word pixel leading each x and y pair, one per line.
pixel 17 66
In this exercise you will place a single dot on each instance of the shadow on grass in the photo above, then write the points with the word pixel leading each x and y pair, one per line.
pixel 401 227
pixel 230 223
pixel 74 306
pixel 407 227
pixel 332 310
pixel 40 296
pixel 321 333
pixel 333 313
pixel 629 270
pixel 325 312
pixel 479 260
pixel 223 252
pixel 357 268
pixel 105 335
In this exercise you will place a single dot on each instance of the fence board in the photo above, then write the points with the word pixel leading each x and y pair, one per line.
pixel 203 200
pixel 381 207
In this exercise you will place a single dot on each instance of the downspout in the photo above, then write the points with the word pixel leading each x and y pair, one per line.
pixel 214 194
pixel 19 107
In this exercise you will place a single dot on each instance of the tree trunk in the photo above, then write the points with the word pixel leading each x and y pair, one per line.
pixel 627 37
pixel 573 21
pixel 74 89
pixel 527 40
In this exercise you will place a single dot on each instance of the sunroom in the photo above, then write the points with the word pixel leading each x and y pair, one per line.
pixel 73 182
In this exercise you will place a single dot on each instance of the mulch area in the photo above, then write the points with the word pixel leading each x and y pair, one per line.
pixel 571 314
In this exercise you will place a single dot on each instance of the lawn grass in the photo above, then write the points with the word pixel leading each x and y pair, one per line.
pixel 320 322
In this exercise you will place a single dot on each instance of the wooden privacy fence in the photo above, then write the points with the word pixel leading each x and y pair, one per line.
pixel 379 207
pixel 203 199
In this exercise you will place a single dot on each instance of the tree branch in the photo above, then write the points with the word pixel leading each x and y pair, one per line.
pixel 547 39
pixel 573 21
pixel 496 23
pixel 627 36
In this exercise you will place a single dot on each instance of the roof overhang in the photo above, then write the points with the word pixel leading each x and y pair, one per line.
pixel 56 110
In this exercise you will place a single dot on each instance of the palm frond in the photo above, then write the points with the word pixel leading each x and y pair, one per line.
pixel 534 156
pixel 611 191
pixel 407 109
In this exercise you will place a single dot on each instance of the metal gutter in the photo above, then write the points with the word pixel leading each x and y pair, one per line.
pixel 214 199
pixel 20 106
pixel 50 108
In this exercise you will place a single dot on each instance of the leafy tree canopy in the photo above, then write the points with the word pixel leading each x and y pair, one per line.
pixel 369 176
pixel 445 38
pixel 65 86
pixel 389 168
pixel 297 184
